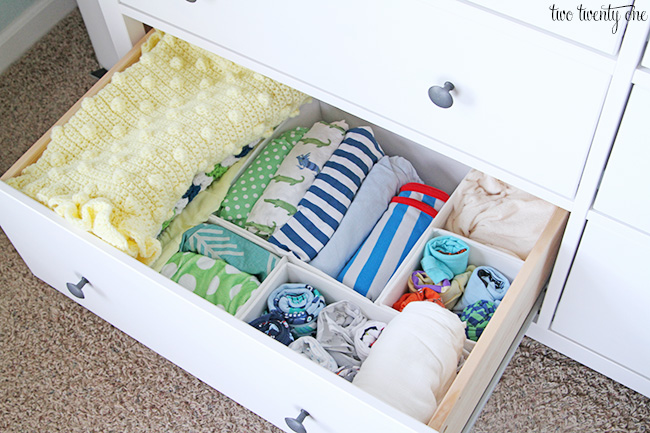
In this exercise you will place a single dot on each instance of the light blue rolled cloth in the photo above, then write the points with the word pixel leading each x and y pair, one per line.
pixel 383 182
pixel 300 305
pixel 444 257
pixel 485 284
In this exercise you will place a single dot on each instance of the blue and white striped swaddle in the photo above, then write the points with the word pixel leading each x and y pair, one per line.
pixel 409 214
pixel 327 200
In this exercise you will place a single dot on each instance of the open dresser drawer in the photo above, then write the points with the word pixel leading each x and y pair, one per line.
pixel 231 356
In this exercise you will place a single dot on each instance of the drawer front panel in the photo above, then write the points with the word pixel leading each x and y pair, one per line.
pixel 219 349
pixel 623 193
pixel 604 34
pixel 518 106
pixel 603 284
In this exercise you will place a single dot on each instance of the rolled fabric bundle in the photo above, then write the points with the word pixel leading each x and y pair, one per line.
pixel 424 294
pixel 274 325
pixel 393 237
pixel 214 280
pixel 383 182
pixel 445 257
pixel 248 188
pixel 300 304
pixel 220 243
pixel 337 324
pixel 327 200
pixel 413 363
pixel 476 317
pixel 312 349
pixel 485 283
pixel 452 293
pixel 294 176
pixel 365 337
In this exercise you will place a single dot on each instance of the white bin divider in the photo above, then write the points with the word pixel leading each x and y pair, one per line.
pixel 333 291
pixel 479 255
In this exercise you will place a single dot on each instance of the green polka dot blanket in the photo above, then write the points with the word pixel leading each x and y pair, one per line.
pixel 214 280
pixel 249 187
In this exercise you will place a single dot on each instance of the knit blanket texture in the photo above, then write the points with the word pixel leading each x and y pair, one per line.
pixel 123 160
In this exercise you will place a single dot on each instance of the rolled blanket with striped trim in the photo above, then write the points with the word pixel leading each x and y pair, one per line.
pixel 408 216
pixel 327 200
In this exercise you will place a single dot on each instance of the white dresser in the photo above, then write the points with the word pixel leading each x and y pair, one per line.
pixel 536 102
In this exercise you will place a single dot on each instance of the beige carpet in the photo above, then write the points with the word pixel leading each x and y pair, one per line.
pixel 64 369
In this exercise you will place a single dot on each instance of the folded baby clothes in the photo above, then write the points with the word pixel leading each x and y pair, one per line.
pixel 413 363
pixel 476 317
pixel 214 280
pixel 274 325
pixel 365 337
pixel 327 200
pixel 220 243
pixel 424 294
pixel 312 349
pixel 120 164
pixel 383 182
pixel 452 293
pixel 444 257
pixel 294 176
pixel 243 194
pixel 300 304
pixel 485 283
pixel 408 216
pixel 497 214
pixel 337 325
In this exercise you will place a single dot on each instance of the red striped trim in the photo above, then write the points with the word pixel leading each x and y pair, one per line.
pixel 425 189
pixel 416 204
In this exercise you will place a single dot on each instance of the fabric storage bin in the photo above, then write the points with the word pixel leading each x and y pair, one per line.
pixel 195 334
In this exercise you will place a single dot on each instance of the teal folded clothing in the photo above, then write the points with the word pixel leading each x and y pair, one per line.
pixel 300 305
pixel 485 284
pixel 444 257
pixel 218 242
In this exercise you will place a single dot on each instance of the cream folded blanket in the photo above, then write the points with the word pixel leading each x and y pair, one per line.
pixel 120 164
pixel 499 215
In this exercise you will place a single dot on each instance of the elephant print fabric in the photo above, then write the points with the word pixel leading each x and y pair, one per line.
pixel 296 173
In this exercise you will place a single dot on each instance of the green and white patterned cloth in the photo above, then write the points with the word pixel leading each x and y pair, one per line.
pixel 214 280
pixel 249 186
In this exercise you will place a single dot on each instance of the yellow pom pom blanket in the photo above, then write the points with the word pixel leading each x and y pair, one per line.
pixel 120 164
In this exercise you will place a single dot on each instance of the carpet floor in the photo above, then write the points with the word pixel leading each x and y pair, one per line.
pixel 62 369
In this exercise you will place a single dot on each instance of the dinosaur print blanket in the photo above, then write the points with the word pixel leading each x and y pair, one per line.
pixel 296 173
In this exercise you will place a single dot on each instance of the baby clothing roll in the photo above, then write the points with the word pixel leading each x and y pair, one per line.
pixel 337 325
pixel 243 194
pixel 365 337
pixel 413 363
pixel 214 280
pixel 406 219
pixel 312 349
pixel 476 317
pixel 327 200
pixel 273 325
pixel 445 257
pixel 452 293
pixel 220 243
pixel 423 294
pixel 383 182
pixel 295 175
pixel 300 304
pixel 485 283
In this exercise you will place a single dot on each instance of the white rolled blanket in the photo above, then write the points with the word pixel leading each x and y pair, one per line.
pixel 413 362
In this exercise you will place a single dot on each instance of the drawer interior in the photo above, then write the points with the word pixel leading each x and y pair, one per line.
pixel 527 277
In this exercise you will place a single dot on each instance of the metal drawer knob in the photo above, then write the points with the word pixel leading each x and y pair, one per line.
pixel 191 1
pixel 295 424
pixel 441 96
pixel 75 289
